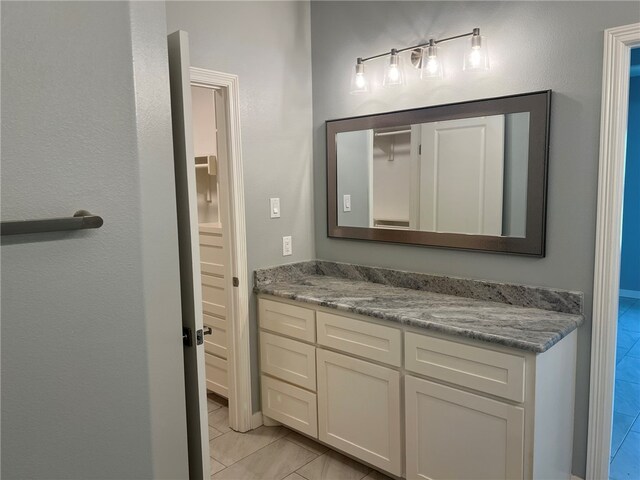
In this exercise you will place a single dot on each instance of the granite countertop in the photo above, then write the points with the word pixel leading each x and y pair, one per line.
pixel 531 329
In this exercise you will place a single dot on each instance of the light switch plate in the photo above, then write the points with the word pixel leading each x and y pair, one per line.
pixel 346 203
pixel 287 249
pixel 274 207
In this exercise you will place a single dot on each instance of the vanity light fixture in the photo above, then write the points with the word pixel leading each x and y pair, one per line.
pixel 425 57
pixel 359 83
pixel 393 73
pixel 431 66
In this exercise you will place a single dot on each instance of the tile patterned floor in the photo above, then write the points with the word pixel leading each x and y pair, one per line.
pixel 274 453
pixel 625 441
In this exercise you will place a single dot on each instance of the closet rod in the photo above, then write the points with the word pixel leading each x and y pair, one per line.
pixel 396 132
pixel 81 220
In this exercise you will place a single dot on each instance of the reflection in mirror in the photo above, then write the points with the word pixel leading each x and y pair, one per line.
pixel 469 175
pixel 465 176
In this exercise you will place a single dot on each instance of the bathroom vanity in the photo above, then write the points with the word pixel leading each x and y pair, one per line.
pixel 388 368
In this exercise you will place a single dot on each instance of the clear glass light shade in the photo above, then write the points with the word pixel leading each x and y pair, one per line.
pixel 393 73
pixel 477 57
pixel 359 82
pixel 431 64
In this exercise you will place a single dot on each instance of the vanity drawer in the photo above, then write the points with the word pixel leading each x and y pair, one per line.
pixel 289 360
pixel 289 320
pixel 292 406
pixel 488 371
pixel 364 339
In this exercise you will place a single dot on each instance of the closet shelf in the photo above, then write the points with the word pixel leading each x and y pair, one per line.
pixel 207 161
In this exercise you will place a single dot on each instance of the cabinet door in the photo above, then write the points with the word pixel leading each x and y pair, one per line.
pixel 359 409
pixel 456 434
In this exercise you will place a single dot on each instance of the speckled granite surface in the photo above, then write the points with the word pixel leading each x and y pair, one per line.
pixel 531 329
pixel 521 295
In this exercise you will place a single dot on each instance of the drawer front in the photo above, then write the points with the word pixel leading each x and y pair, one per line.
pixel 216 373
pixel 356 337
pixel 292 406
pixel 289 320
pixel 288 360
pixel 496 373
pixel 216 343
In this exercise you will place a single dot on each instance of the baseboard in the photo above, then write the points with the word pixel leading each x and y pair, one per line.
pixel 630 293
pixel 256 420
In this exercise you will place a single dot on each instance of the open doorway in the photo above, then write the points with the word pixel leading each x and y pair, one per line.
pixel 625 439
pixel 618 45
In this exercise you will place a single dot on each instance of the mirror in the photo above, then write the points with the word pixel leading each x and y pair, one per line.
pixel 467 175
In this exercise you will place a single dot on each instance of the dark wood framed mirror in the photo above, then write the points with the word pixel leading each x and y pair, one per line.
pixel 469 175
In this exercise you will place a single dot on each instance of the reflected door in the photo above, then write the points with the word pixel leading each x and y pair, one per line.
pixel 462 176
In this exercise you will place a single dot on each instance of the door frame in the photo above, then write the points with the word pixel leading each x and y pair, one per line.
pixel 238 361
pixel 618 42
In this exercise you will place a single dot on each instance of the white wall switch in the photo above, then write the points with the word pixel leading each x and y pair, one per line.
pixel 274 207
pixel 346 203
pixel 286 246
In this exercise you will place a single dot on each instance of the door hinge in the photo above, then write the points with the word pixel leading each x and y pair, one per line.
pixel 419 149
pixel 199 337
pixel 236 282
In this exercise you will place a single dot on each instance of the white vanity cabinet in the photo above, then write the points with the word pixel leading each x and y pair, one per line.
pixel 415 403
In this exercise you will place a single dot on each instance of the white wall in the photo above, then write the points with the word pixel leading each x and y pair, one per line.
pixel 91 346
pixel 267 44
pixel 534 46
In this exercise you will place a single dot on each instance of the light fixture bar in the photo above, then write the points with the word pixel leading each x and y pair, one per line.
pixel 476 31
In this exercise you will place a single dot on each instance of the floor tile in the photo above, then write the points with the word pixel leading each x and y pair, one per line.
pixel 219 419
pixel 294 476
pixel 307 443
pixel 375 475
pixel 620 354
pixel 214 403
pixel 628 369
pixel 626 399
pixel 636 425
pixel 333 466
pixel 234 446
pixel 273 462
pixel 213 433
pixel 635 351
pixel 627 339
pixel 621 426
pixel 630 320
pixel 216 466
pixel 625 303
pixel 626 464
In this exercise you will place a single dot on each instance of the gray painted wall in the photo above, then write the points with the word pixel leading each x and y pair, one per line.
pixel 354 152
pixel 267 44
pixel 534 46
pixel 92 381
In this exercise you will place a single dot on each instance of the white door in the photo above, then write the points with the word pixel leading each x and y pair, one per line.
pixel 188 242
pixel 452 434
pixel 359 409
pixel 462 175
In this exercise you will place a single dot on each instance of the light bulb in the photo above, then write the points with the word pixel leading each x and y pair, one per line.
pixel 432 67
pixel 477 57
pixel 393 74
pixel 359 82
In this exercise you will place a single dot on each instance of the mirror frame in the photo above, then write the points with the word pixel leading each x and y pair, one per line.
pixel 538 104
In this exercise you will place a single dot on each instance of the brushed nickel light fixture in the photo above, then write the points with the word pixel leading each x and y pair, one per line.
pixel 426 58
